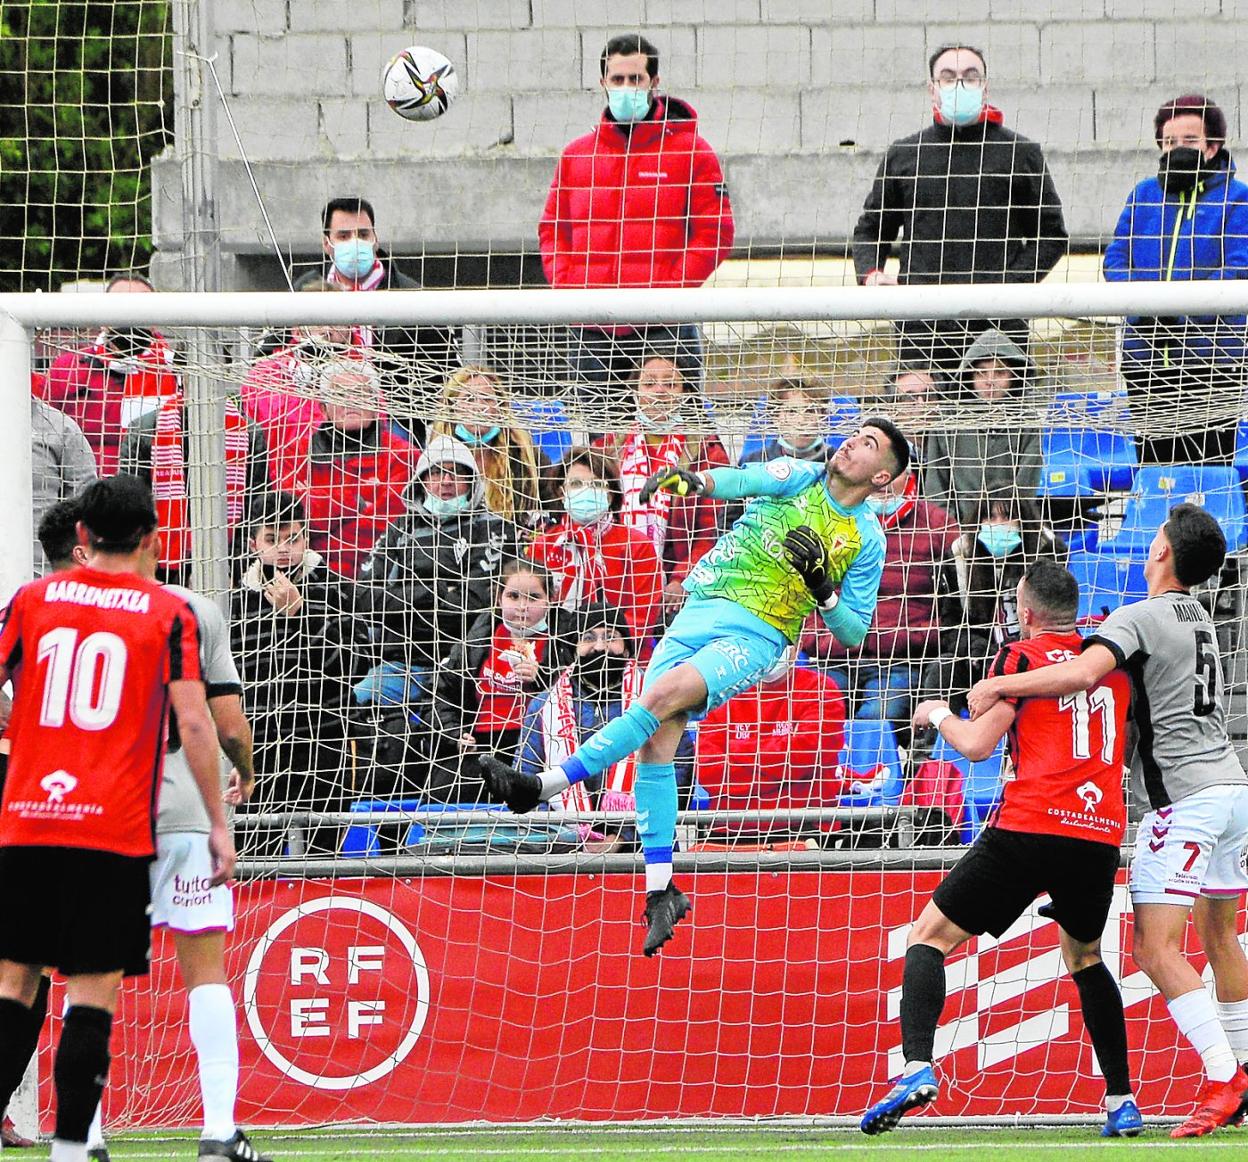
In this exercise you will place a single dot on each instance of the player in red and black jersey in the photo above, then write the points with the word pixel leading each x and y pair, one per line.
pixel 1057 831
pixel 98 657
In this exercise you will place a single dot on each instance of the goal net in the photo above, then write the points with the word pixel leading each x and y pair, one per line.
pixel 422 559
pixel 422 512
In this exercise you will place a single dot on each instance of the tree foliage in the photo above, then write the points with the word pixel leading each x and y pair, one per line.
pixel 85 104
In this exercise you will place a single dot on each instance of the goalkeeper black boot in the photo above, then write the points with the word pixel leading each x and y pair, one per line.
pixel 236 1148
pixel 505 784
pixel 664 910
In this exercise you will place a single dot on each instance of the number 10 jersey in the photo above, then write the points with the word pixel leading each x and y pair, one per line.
pixel 92 655
pixel 1168 647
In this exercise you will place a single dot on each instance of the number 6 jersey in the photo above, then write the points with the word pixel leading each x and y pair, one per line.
pixel 1168 647
pixel 92 655
pixel 1067 752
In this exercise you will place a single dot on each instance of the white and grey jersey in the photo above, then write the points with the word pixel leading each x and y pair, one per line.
pixel 1169 648
pixel 180 808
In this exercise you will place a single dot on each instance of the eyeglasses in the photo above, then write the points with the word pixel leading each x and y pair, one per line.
pixel 971 78
pixel 581 485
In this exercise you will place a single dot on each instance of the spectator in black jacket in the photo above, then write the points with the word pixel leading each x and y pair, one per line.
pixel 974 201
pixel 301 646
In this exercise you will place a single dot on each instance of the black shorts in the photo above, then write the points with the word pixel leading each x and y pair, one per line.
pixel 75 910
pixel 995 882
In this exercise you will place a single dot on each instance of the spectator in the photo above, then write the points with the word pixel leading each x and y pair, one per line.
pixel 879 678
pixel 639 202
pixel 439 561
pixel 594 556
pixel 62 464
pixel 104 387
pixel 974 202
pixel 989 558
pixel 510 654
pixel 680 530
pixel 354 261
pixel 1184 374
pixel 277 394
pixel 800 419
pixel 154 449
pixel 351 470
pixel 990 454
pixel 475 411
pixel 301 645
pixel 600 684
pixel 778 746
pixel 912 399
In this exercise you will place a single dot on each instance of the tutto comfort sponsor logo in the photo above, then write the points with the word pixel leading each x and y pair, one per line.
pixel 336 993
pixel 1006 1006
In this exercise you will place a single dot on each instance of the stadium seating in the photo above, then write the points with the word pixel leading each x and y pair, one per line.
pixel 1106 581
pixel 1081 462
pixel 547 421
pixel 1160 487
pixel 871 756
pixel 981 784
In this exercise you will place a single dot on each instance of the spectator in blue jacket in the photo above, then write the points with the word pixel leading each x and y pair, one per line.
pixel 1183 373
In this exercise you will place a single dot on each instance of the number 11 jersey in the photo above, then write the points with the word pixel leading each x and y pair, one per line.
pixel 1168 647
pixel 92 655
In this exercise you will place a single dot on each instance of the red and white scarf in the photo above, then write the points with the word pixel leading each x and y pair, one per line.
pixel 639 460
pixel 579 564
pixel 169 476
pixel 361 335
pixel 562 735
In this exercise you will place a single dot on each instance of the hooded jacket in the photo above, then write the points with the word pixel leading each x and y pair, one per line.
pixel 975 204
pixel 1182 238
pixel 990 455
pixel 637 205
pixel 438 572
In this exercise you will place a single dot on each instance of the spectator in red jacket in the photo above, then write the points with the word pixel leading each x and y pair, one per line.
pixel 680 529
pixel 639 202
pixel 775 746
pixel 592 554
pixel 103 387
pixel 351 470
pixel 906 629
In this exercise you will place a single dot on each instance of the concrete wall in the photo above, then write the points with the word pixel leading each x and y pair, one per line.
pixel 798 96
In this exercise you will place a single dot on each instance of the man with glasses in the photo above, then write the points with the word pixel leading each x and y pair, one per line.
pixel 974 201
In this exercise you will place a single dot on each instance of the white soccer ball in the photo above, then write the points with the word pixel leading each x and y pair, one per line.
pixel 419 83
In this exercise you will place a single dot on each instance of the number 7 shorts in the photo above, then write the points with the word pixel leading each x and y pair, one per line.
pixel 1197 846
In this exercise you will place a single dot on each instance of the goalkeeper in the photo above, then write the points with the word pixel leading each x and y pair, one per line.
pixel 806 541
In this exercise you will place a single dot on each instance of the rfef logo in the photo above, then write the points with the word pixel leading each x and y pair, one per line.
pixel 336 993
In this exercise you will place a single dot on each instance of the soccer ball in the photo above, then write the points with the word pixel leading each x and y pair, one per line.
pixel 419 83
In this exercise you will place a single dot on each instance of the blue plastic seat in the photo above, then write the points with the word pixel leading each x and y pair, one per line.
pixel 1086 462
pixel 548 423
pixel 361 839
pixel 981 784
pixel 1159 487
pixel 869 745
pixel 1106 581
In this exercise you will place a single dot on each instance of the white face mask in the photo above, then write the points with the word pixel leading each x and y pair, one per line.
pixel 524 631
pixel 442 509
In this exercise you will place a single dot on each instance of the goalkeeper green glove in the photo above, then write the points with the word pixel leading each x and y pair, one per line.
pixel 809 557
pixel 678 480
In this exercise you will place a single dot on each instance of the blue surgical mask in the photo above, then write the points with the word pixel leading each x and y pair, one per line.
pixel 442 509
pixel 885 505
pixel 525 631
pixel 587 505
pixel 960 105
pixel 354 258
pixel 1000 540
pixel 628 105
pixel 464 436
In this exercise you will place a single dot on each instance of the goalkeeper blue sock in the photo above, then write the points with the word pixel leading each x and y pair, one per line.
pixel 655 790
pixel 618 739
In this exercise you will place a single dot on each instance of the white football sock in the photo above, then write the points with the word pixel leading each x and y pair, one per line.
pixel 1197 1020
pixel 95 1135
pixel 554 781
pixel 215 1038
pixel 68 1151
pixel 1233 1017
pixel 914 1067
pixel 658 876
pixel 1115 1101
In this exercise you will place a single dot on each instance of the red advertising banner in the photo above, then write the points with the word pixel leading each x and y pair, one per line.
pixel 508 999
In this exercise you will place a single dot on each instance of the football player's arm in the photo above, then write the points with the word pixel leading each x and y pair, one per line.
pixel 234 738
pixel 975 739
pixel 199 745
pixel 777 478
pixel 851 615
pixel 1081 673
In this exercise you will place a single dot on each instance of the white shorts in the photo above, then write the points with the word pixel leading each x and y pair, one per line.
pixel 182 898
pixel 1195 847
